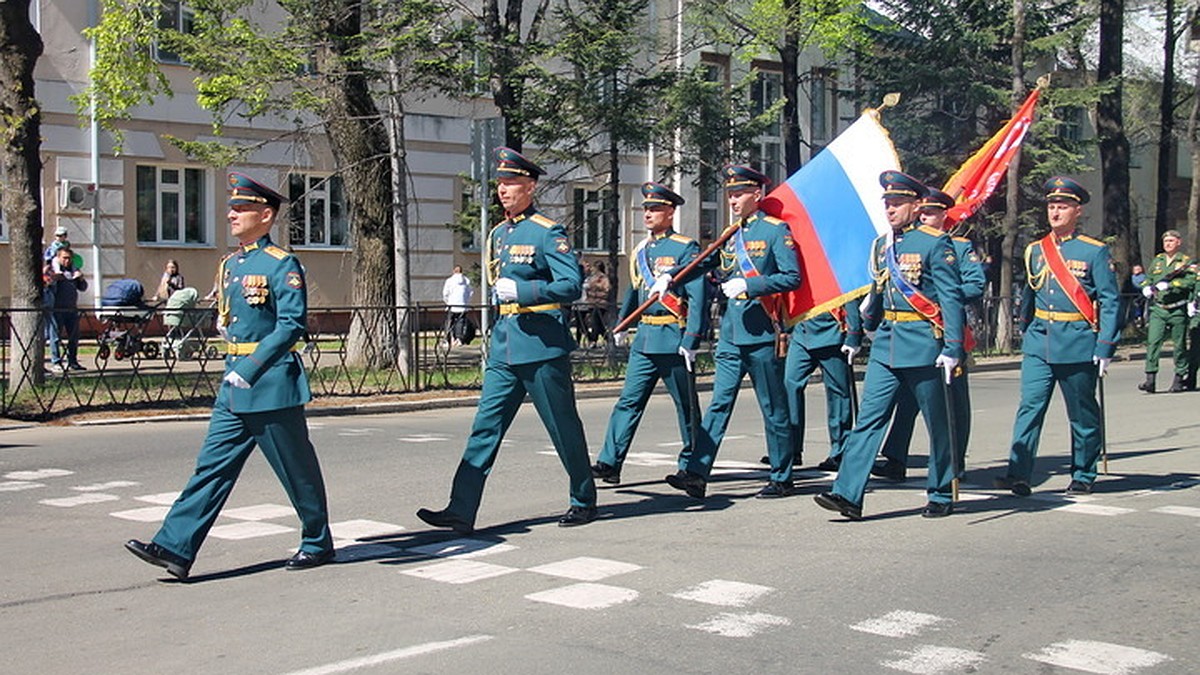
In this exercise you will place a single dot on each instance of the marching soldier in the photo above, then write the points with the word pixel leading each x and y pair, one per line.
pixel 932 212
pixel 1168 287
pixel 1069 316
pixel 827 341
pixel 916 307
pixel 759 260
pixel 263 309
pixel 534 272
pixel 667 337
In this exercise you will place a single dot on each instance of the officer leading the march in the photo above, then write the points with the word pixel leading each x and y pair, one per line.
pixel 916 307
pixel 668 334
pixel 1069 311
pixel 262 314
pixel 534 273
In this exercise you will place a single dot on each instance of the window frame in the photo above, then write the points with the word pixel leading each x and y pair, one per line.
pixel 295 209
pixel 202 201
pixel 767 155
pixel 580 210
pixel 183 20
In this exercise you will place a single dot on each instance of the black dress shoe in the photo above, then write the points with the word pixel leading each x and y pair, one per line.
pixel 445 519
pixel 1018 487
pixel 830 463
pixel 1078 487
pixel 836 502
pixel 157 555
pixel 577 515
pixel 77 366
pixel 607 473
pixel 776 489
pixel 693 484
pixel 304 560
pixel 937 509
pixel 890 470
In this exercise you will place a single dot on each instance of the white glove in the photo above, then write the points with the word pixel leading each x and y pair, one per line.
pixel 1193 309
pixel 1148 291
pixel 850 352
pixel 619 338
pixel 947 364
pixel 1162 285
pixel 506 289
pixel 662 283
pixel 237 380
pixel 734 287
pixel 689 356
pixel 223 331
pixel 1101 364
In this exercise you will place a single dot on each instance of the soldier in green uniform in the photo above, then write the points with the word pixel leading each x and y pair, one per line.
pixel 915 307
pixel 1069 311
pixel 827 341
pixel 668 334
pixel 262 314
pixel 932 212
pixel 1168 287
pixel 758 261
pixel 534 274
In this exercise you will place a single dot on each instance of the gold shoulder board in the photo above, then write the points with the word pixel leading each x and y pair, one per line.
pixel 276 252
pixel 543 220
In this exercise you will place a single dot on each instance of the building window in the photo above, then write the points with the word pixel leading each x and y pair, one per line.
pixel 317 211
pixel 822 105
pixel 712 203
pixel 767 155
pixel 1070 123
pixel 173 15
pixel 172 205
pixel 591 222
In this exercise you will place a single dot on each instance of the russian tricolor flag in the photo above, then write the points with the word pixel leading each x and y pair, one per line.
pixel 834 207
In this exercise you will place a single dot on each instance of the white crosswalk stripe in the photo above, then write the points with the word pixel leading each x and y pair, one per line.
pixel 725 593
pixel 37 474
pixel 585 596
pixel 900 623
pixel 248 530
pixel 458 571
pixel 740 625
pixel 585 569
pixel 934 660
pixel 1102 658
pixel 80 500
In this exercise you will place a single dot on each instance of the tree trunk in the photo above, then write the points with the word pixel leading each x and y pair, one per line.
pixel 21 176
pixel 789 62
pixel 1011 227
pixel 1114 144
pixel 360 146
pixel 1166 129
pixel 399 175
pixel 1193 212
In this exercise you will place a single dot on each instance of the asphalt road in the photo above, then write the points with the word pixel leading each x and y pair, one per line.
pixel 660 584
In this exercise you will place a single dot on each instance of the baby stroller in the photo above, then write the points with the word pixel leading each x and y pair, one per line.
pixel 186 324
pixel 124 316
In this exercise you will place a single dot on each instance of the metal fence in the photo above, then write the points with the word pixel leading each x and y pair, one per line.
pixel 158 358
pixel 153 357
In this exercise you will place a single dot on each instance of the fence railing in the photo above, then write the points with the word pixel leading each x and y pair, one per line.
pixel 154 357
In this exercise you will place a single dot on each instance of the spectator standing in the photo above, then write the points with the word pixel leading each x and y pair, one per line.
pixel 63 283
pixel 1137 279
pixel 170 282
pixel 596 291
pixel 456 293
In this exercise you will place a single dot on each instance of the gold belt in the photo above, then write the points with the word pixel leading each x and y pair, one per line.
pixel 513 308
pixel 897 315
pixel 662 320
pixel 1058 316
pixel 244 348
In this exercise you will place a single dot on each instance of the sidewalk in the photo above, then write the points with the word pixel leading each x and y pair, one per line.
pixel 440 399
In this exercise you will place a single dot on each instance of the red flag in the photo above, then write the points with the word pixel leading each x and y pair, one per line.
pixel 978 177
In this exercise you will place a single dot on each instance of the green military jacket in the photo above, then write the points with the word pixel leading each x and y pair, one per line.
pixel 1178 274
pixel 663 254
pixel 263 305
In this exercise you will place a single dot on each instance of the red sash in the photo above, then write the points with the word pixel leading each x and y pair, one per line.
pixel 1075 291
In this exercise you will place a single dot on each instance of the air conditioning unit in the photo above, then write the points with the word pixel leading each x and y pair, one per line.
pixel 74 195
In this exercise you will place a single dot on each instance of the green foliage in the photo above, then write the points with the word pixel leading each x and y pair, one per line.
pixel 249 63
pixel 761 27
